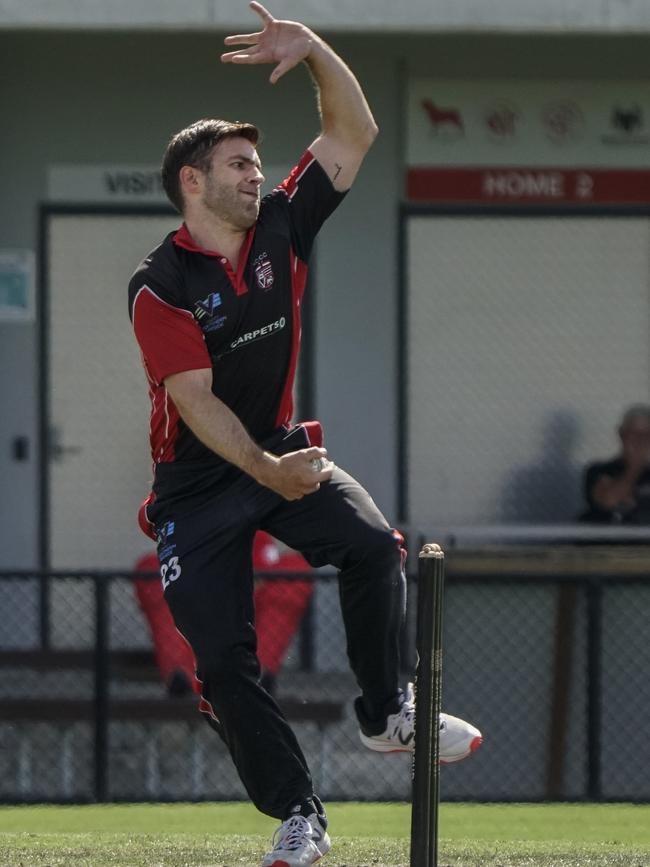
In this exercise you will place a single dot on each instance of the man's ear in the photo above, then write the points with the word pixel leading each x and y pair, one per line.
pixel 190 179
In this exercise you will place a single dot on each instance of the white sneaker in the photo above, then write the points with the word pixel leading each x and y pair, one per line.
pixel 298 842
pixel 458 739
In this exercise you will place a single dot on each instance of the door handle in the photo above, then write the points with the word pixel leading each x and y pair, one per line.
pixel 57 449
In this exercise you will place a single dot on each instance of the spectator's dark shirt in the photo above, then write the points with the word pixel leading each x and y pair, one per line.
pixel 639 514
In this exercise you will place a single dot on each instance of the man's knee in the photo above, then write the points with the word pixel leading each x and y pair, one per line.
pixel 227 664
pixel 381 547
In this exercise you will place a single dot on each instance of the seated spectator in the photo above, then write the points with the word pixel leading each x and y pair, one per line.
pixel 618 491
pixel 279 607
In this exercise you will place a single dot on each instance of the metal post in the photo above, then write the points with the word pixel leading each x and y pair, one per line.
pixel 100 702
pixel 428 686
pixel 594 688
pixel 44 610
pixel 306 644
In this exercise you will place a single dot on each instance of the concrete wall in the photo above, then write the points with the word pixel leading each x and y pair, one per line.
pixel 114 98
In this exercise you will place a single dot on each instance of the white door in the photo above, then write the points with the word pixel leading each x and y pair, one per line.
pixel 99 463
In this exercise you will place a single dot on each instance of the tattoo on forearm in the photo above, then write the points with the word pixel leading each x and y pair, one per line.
pixel 337 172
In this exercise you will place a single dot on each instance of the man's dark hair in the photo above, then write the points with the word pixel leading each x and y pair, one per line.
pixel 193 146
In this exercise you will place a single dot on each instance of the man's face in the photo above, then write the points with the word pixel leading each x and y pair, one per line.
pixel 635 438
pixel 231 188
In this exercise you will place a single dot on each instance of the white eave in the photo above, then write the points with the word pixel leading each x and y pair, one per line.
pixel 335 16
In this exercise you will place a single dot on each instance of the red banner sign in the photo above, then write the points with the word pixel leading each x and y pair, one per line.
pixel 529 186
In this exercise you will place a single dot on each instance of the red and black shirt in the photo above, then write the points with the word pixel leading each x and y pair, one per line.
pixel 190 310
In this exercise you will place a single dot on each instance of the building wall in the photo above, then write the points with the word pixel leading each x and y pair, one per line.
pixel 107 97
pixel 338 15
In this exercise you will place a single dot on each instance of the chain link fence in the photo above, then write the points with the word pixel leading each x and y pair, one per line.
pixel 550 663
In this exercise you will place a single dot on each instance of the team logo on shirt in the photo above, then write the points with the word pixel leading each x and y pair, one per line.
pixel 204 312
pixel 263 271
pixel 208 306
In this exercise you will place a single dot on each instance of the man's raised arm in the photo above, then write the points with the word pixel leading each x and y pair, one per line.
pixel 348 127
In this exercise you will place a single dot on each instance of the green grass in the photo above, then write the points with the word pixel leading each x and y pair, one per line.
pixel 364 835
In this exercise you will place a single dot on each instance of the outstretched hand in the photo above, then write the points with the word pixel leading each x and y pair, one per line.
pixel 285 43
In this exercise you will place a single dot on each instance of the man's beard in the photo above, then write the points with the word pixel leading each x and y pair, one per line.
pixel 229 206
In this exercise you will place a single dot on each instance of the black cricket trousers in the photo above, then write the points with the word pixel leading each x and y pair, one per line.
pixel 206 564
